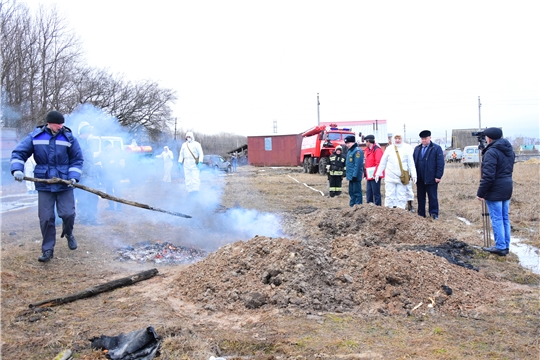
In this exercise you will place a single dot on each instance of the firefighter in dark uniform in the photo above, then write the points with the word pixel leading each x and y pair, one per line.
pixel 335 171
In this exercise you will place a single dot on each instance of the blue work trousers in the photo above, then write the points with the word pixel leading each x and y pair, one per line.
pixel 65 206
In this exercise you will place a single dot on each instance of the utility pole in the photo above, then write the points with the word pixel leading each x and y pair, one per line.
pixel 318 112
pixel 175 128
pixel 275 126
pixel 479 120
pixel 404 133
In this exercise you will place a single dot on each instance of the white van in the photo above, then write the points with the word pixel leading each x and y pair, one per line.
pixel 470 157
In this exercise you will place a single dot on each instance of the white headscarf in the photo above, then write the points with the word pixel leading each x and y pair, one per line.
pixel 190 135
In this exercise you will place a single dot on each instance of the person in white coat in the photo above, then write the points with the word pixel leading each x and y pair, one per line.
pixel 191 154
pixel 29 167
pixel 167 156
pixel 396 193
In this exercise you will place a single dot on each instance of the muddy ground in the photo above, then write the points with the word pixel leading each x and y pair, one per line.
pixel 270 269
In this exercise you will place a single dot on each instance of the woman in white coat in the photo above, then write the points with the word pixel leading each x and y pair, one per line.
pixel 396 194
pixel 167 156
pixel 191 154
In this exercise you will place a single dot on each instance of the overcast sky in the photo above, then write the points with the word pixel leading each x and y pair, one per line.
pixel 239 65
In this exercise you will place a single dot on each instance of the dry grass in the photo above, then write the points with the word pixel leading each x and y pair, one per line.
pixel 509 330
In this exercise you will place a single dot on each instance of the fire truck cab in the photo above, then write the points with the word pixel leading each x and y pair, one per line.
pixel 318 143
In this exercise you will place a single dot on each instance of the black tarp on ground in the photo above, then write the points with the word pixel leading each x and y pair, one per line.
pixel 137 345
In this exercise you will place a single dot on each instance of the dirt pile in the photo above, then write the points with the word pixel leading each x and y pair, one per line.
pixel 362 259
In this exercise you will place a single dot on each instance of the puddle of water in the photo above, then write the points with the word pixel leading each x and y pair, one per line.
pixel 528 255
pixel 17 202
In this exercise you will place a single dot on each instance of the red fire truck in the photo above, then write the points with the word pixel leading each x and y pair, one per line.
pixel 318 144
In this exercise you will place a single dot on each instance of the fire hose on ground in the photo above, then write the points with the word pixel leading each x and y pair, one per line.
pixel 104 195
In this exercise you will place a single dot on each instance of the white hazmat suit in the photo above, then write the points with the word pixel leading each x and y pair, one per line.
pixel 167 156
pixel 29 167
pixel 191 154
pixel 396 194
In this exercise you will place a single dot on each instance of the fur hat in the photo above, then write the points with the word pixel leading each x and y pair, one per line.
pixel 55 117
pixel 493 133
pixel 425 133
pixel 349 139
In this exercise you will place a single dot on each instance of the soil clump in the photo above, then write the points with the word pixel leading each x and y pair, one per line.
pixel 391 262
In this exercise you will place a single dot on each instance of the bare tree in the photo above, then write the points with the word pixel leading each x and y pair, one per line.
pixel 42 69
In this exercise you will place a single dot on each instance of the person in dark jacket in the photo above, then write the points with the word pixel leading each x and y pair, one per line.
pixel 429 162
pixel 354 170
pixel 373 154
pixel 496 187
pixel 57 154
pixel 336 170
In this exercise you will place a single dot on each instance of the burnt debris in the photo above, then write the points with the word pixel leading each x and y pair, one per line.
pixel 160 253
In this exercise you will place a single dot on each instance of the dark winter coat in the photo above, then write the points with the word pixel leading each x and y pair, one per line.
pixel 355 163
pixel 57 156
pixel 497 167
pixel 430 167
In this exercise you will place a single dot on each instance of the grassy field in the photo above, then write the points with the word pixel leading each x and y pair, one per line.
pixel 507 328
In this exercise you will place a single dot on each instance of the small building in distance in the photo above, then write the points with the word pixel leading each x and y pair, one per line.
pixel 274 150
pixel 464 137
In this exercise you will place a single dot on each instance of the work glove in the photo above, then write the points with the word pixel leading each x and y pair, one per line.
pixel 414 180
pixel 376 178
pixel 18 175
pixel 327 167
pixel 72 181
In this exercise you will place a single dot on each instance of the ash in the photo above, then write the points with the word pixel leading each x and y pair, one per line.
pixel 160 253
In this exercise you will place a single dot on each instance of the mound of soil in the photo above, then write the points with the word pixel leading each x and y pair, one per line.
pixel 384 265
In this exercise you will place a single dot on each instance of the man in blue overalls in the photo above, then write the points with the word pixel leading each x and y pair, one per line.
pixel 57 154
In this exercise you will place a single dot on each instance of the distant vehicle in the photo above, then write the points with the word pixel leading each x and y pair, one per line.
pixel 318 143
pixel 470 157
pixel 450 157
pixel 135 160
pixel 9 140
pixel 216 162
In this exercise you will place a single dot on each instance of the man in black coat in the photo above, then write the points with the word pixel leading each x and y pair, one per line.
pixel 429 163
pixel 496 187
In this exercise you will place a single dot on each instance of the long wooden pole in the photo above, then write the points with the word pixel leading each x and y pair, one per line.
pixel 104 195
pixel 111 285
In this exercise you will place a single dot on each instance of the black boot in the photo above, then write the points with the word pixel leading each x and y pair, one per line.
pixel 72 243
pixel 410 206
pixel 46 256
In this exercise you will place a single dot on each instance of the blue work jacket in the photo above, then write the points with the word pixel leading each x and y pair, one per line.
pixel 57 156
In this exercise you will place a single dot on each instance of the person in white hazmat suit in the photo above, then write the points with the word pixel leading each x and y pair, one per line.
pixel 29 167
pixel 191 154
pixel 167 156
pixel 396 193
